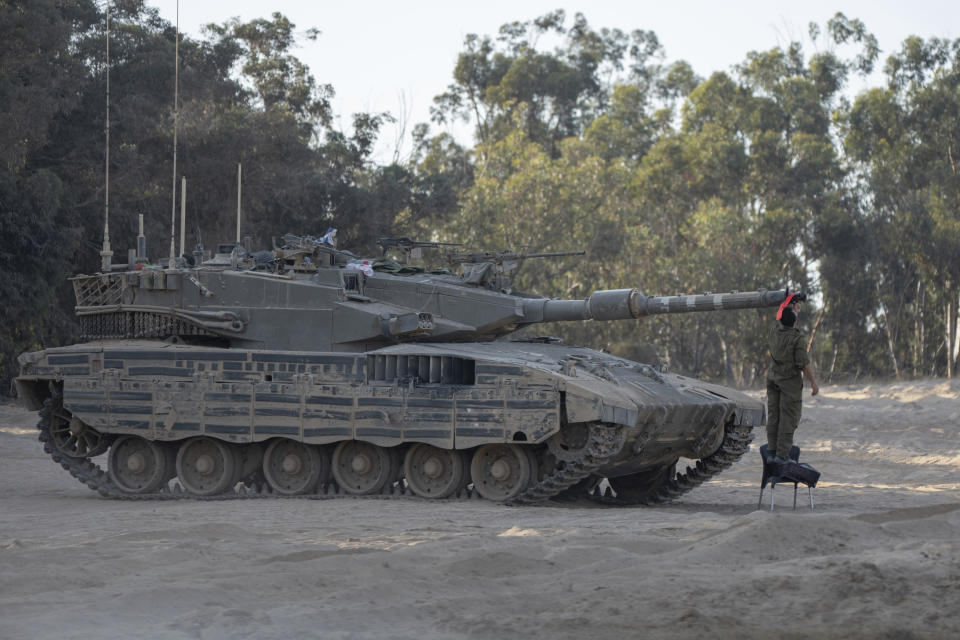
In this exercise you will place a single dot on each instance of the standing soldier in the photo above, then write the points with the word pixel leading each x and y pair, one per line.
pixel 784 380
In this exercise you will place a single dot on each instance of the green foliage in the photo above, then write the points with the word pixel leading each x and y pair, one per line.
pixel 903 142
pixel 39 76
pixel 585 139
pixel 556 94
pixel 751 190
pixel 41 81
pixel 280 81
pixel 245 98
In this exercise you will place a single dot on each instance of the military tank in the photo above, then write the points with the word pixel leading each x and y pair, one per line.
pixel 304 371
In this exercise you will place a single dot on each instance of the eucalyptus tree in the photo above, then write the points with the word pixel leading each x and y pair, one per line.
pixel 904 141
pixel 558 93
pixel 244 98
pixel 739 194
pixel 41 82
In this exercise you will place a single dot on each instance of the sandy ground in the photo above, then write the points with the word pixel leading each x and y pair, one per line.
pixel 877 558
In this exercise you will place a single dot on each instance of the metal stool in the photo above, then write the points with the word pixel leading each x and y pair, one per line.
pixel 789 471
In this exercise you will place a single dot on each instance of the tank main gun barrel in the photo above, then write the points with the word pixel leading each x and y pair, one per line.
pixel 625 304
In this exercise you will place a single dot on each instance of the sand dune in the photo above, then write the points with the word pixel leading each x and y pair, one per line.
pixel 878 557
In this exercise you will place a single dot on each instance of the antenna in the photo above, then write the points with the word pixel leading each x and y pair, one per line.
pixel 239 168
pixel 183 215
pixel 176 114
pixel 106 254
pixel 141 244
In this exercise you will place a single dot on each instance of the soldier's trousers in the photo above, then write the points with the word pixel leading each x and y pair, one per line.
pixel 784 404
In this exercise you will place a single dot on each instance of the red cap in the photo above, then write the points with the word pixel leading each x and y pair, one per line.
pixel 784 304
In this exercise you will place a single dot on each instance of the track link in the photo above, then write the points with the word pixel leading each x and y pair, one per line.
pixel 90 474
pixel 603 442
pixel 736 442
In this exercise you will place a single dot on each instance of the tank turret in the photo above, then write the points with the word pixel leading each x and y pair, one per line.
pixel 308 369
pixel 308 295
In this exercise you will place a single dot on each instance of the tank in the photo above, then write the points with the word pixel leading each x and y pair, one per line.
pixel 303 371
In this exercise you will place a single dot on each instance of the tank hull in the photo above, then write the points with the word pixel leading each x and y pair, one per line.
pixel 449 395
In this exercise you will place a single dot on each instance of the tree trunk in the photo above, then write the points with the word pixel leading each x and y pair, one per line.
pixel 816 325
pixel 951 330
pixel 918 330
pixel 953 302
pixel 890 344
pixel 727 365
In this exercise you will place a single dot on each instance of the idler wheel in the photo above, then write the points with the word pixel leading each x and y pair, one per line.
pixel 72 437
pixel 136 465
pixel 570 443
pixel 206 466
pixel 501 471
pixel 432 472
pixel 362 468
pixel 293 468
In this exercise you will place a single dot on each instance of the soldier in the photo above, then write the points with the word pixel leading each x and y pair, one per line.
pixel 784 380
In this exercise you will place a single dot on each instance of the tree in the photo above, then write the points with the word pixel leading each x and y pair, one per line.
pixel 40 82
pixel 300 175
pixel 903 141
pixel 557 94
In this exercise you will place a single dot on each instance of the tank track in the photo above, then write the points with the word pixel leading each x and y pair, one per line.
pixel 603 442
pixel 90 474
pixel 736 442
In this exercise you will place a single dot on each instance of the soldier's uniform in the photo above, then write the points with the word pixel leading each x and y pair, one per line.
pixel 784 388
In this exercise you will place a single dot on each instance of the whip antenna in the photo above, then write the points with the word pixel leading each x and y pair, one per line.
pixel 106 254
pixel 176 114
pixel 239 187
pixel 183 215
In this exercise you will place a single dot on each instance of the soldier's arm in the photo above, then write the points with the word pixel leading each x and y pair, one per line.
pixel 814 387
pixel 803 363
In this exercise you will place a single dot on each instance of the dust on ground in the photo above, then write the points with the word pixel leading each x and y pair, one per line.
pixel 878 557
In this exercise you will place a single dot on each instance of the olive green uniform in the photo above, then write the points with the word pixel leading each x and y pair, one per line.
pixel 784 388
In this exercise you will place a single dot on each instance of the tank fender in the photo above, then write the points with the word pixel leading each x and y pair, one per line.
pixel 583 405
pixel 618 415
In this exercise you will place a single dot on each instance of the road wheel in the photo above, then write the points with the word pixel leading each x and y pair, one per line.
pixel 136 465
pixel 501 471
pixel 432 472
pixel 206 466
pixel 293 468
pixel 362 468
